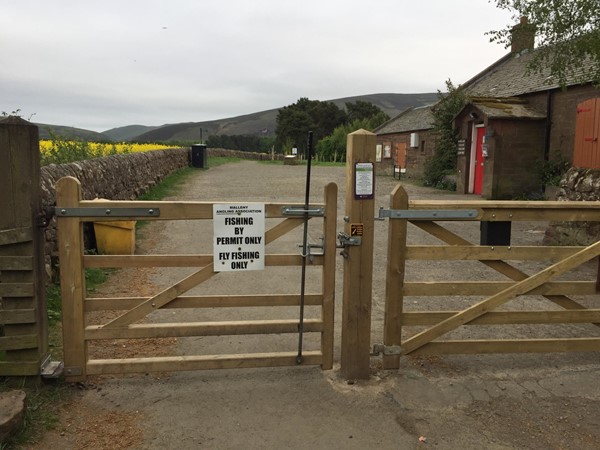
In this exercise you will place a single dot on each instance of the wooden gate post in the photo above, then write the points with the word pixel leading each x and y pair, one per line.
pixel 72 280
pixel 395 267
pixel 23 314
pixel 358 259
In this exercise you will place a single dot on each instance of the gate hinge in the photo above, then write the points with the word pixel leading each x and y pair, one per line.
pixel 427 214
pixel 106 212
pixel 388 350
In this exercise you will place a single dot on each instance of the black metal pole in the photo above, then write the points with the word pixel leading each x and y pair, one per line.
pixel 299 358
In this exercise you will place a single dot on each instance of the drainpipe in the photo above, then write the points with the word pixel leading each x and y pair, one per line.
pixel 548 131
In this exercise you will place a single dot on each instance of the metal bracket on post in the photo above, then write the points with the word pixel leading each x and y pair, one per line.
pixel 388 350
pixel 427 214
pixel 299 211
pixel 51 369
pixel 107 212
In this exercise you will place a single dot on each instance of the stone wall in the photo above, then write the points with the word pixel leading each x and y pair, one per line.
pixel 121 177
pixel 115 177
pixel 577 185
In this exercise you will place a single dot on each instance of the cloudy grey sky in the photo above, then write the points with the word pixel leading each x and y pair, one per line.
pixel 103 64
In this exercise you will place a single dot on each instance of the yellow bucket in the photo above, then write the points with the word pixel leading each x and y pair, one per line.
pixel 115 238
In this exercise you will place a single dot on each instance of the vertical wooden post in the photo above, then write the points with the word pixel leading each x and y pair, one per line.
pixel 23 313
pixel 394 284
pixel 328 270
pixel 358 260
pixel 72 279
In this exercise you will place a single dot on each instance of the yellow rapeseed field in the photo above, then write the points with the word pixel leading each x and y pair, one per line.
pixel 103 149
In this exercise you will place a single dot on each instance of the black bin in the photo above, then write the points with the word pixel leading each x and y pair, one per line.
pixel 199 156
pixel 495 233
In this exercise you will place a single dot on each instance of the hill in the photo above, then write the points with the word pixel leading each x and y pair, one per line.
pixel 128 132
pixel 263 122
pixel 71 133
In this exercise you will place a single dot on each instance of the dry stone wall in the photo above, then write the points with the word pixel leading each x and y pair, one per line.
pixel 120 177
pixel 577 185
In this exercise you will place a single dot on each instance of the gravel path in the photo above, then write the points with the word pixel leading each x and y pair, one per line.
pixel 467 402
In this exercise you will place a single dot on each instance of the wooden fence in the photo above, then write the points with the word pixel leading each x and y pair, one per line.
pixel 77 334
pixel 23 317
pixel 555 299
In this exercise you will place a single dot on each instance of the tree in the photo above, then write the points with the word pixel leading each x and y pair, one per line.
pixel 443 160
pixel 296 120
pixel 568 32
pixel 363 110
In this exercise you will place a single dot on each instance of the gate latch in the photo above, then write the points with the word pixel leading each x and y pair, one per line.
pixel 309 253
pixel 346 240
pixel 388 350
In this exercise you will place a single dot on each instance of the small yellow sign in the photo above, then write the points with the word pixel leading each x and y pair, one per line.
pixel 356 229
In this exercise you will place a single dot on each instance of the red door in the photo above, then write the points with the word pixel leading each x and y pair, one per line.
pixel 478 181
pixel 401 155
pixel 587 132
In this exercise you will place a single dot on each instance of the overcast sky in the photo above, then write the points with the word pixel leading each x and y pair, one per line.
pixel 110 63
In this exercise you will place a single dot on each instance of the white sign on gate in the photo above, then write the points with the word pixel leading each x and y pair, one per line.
pixel 238 236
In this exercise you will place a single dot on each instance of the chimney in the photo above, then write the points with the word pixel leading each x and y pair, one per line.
pixel 522 36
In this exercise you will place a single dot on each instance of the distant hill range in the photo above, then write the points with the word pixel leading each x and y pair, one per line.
pixel 260 123
pixel 72 133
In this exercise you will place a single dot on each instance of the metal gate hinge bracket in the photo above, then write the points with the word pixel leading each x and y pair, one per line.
pixel 427 214
pixel 387 350
pixel 107 212
pixel 299 211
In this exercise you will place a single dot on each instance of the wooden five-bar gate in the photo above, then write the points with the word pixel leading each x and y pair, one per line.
pixel 72 212
pixel 511 298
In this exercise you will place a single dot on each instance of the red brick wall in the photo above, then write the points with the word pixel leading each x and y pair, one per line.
pixel 415 157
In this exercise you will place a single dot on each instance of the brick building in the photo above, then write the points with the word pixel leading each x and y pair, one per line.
pixel 515 120
pixel 405 142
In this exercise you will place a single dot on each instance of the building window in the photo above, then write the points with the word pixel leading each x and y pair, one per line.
pixel 422 146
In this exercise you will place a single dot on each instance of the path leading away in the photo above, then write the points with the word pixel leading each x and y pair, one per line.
pixel 467 402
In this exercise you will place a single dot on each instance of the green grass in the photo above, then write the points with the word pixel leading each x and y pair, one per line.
pixel 221 160
pixel 42 412
pixel 169 185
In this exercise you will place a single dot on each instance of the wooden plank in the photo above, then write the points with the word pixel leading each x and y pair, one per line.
pixel 164 297
pixel 394 284
pixel 230 328
pixel 206 301
pixel 500 298
pixel 25 341
pixel 183 260
pixel 16 316
pixel 72 280
pixel 495 210
pixel 183 363
pixel 510 346
pixel 283 228
pixel 16 236
pixel 454 288
pixel 16 289
pixel 19 368
pixel 16 263
pixel 505 317
pixel 471 252
pixel 328 275
pixel 358 265
pixel 169 210
pixel 500 266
